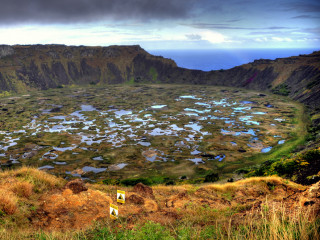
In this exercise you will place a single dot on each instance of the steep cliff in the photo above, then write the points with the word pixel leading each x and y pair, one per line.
pixel 47 66
pixel 29 67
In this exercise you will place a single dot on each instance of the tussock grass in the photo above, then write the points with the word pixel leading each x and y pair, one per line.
pixel 40 180
pixel 22 189
pixel 272 220
pixel 253 181
pixel 8 202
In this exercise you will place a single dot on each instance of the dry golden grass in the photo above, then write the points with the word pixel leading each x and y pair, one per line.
pixel 40 180
pixel 275 180
pixel 196 207
pixel 22 189
pixel 8 202
pixel 274 222
pixel 19 185
pixel 225 187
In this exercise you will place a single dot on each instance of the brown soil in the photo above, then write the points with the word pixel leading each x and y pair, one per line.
pixel 67 209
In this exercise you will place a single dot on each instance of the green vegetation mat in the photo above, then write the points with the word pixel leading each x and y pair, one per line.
pixel 125 133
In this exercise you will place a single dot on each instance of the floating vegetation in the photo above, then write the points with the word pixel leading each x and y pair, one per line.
pixel 93 133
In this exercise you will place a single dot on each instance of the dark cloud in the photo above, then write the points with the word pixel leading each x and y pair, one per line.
pixel 306 17
pixel 231 27
pixel 313 30
pixel 268 33
pixel 234 20
pixel 277 28
pixel 71 11
pixel 309 6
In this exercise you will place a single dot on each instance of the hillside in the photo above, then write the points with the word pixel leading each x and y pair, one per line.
pixel 36 205
pixel 24 68
pixel 82 125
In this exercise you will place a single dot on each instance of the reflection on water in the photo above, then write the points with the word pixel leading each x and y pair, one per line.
pixel 46 167
pixel 265 150
pixel 158 106
pixel 196 160
pixel 259 113
pixel 120 113
pixel 247 102
pixel 190 97
pixel 60 163
pixel 146 144
pixel 220 157
pixel 179 131
pixel 93 169
pixel 195 152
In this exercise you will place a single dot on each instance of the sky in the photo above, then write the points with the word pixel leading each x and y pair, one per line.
pixel 163 24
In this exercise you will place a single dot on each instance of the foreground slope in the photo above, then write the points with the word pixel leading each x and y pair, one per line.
pixel 265 207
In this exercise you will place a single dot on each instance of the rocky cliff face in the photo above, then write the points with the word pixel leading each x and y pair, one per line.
pixel 296 77
pixel 47 66
pixel 24 68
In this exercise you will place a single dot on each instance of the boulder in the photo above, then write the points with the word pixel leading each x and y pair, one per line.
pixel 135 199
pixel 76 186
pixel 143 190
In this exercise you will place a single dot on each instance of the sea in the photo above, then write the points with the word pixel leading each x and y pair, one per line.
pixel 216 59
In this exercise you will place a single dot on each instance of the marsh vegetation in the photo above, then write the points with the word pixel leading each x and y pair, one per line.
pixel 131 131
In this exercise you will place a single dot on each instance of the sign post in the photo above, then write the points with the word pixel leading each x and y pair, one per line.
pixel 121 196
pixel 113 211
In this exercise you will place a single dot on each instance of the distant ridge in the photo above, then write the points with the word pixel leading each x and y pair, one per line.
pixel 30 67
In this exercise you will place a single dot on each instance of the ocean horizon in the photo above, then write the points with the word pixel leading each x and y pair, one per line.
pixel 216 59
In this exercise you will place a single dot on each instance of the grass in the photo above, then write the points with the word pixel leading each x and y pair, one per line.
pixel 154 74
pixel 39 181
pixel 20 189
pixel 137 98
pixel 245 183
pixel 270 223
pixel 5 94
pixel 281 89
pixel 300 134
pixel 197 219
pixel 8 202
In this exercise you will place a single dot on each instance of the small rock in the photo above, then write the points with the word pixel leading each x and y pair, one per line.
pixel 135 199
pixel 143 190
pixel 241 150
pixel 76 186
pixel 78 171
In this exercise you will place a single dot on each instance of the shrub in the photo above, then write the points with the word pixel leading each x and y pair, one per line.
pixel 111 181
pixel 302 168
pixel 281 89
pixel 134 181
pixel 212 177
